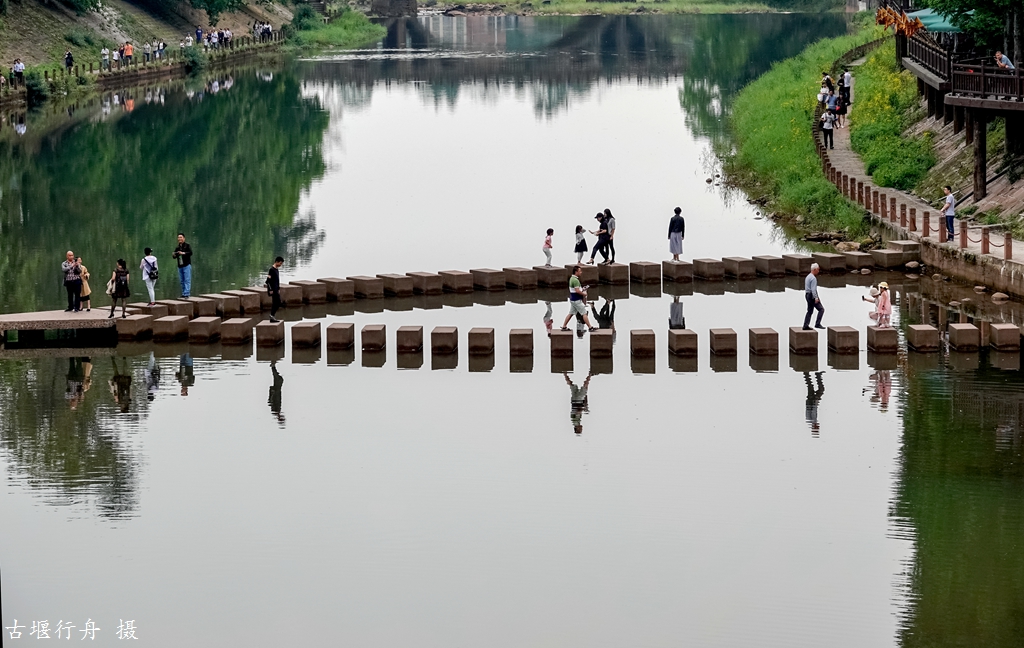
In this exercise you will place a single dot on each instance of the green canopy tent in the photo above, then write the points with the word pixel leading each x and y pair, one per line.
pixel 934 22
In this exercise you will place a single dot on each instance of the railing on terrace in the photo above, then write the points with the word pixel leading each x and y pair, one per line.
pixel 987 81
pixel 926 53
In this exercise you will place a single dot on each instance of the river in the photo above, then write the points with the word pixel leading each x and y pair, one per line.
pixel 222 496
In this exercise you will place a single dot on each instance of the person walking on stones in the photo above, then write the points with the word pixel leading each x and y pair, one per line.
pixel 949 210
pixel 72 281
pixel 813 301
pixel 828 124
pixel 581 244
pixel 85 299
pixel 602 239
pixel 609 224
pixel 676 233
pixel 883 305
pixel 183 253
pixel 118 288
pixel 150 273
pixel 547 246
pixel 273 284
pixel 577 300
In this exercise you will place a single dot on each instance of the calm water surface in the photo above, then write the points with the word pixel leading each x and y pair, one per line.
pixel 217 496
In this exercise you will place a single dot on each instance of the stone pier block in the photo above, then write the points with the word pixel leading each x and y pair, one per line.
pixel 964 337
pixel 178 307
pixel 227 305
pixel 268 334
pixel 911 250
pixel 306 334
pixel 237 330
pixel 339 289
pixel 642 343
pixel 561 343
pixel 313 292
pixel 682 342
pixel 171 327
pixel 134 327
pixel 1004 337
pixel 798 264
pixel 201 306
pixel 520 342
pixel 829 262
pixel 156 310
pixel 249 302
pixel 204 329
pixel 677 271
pixel 883 339
pixel 291 295
pixel 887 259
pixel 426 283
pixel 409 339
pixel 803 342
pixel 481 341
pixel 723 341
pixel 858 260
pixel 456 281
pixel 923 337
pixel 445 339
pixel 551 276
pixel 266 301
pixel 488 279
pixel 646 272
pixel 397 285
pixel 739 267
pixel 341 335
pixel 601 343
pixel 770 266
pixel 616 274
pixel 709 269
pixel 521 278
pixel 374 337
pixel 843 339
pixel 590 275
pixel 764 341
pixel 367 287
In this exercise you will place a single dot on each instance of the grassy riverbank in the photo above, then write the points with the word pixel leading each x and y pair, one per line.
pixel 774 158
pixel 886 104
pixel 347 29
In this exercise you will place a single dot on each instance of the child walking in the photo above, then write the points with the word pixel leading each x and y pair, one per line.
pixel 581 244
pixel 547 245
pixel 883 305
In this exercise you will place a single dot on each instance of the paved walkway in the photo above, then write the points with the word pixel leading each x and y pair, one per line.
pixel 845 160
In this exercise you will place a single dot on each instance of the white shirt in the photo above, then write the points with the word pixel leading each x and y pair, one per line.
pixel 19 67
pixel 847 79
pixel 950 205
pixel 104 53
pixel 188 41
pixel 147 263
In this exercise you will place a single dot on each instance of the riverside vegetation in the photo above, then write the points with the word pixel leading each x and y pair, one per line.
pixel 773 157
pixel 346 29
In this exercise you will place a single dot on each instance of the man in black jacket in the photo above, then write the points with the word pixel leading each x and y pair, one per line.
pixel 183 253
pixel 274 287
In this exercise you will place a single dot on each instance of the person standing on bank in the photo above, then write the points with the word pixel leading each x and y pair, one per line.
pixel 811 295
pixel 118 288
pixel 609 224
pixel 577 300
pixel 949 210
pixel 72 281
pixel 183 253
pixel 150 273
pixel 676 232
pixel 828 124
pixel 274 287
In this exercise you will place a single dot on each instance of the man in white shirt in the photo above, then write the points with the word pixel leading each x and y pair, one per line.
pixel 811 295
pixel 949 209
pixel 847 83
pixel 104 58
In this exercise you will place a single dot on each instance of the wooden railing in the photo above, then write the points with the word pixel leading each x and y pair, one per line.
pixel 923 51
pixel 987 81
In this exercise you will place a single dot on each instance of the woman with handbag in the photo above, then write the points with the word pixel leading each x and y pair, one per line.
pixel 118 288
pixel 150 273
pixel 86 297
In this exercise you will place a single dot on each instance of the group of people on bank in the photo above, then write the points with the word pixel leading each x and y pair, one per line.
pixel 76 276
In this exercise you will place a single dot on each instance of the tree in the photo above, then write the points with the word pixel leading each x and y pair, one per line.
pixel 994 24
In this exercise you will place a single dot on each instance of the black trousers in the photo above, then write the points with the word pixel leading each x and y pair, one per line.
pixel 813 305
pixel 611 249
pixel 830 141
pixel 601 246
pixel 74 289
pixel 275 304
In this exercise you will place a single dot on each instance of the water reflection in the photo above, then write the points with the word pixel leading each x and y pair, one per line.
pixel 815 391
pixel 275 397
pixel 578 404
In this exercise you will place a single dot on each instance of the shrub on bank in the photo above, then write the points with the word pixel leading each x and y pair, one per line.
pixel 774 149
pixel 885 105
pixel 348 29
pixel 195 60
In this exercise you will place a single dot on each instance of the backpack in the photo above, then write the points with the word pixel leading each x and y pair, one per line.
pixel 153 272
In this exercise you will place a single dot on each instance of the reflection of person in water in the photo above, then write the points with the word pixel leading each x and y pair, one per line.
pixel 152 377
pixel 76 381
pixel 605 318
pixel 121 385
pixel 185 375
pixel 883 387
pixel 548 318
pixel 577 402
pixel 275 393
pixel 814 394
pixel 676 320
